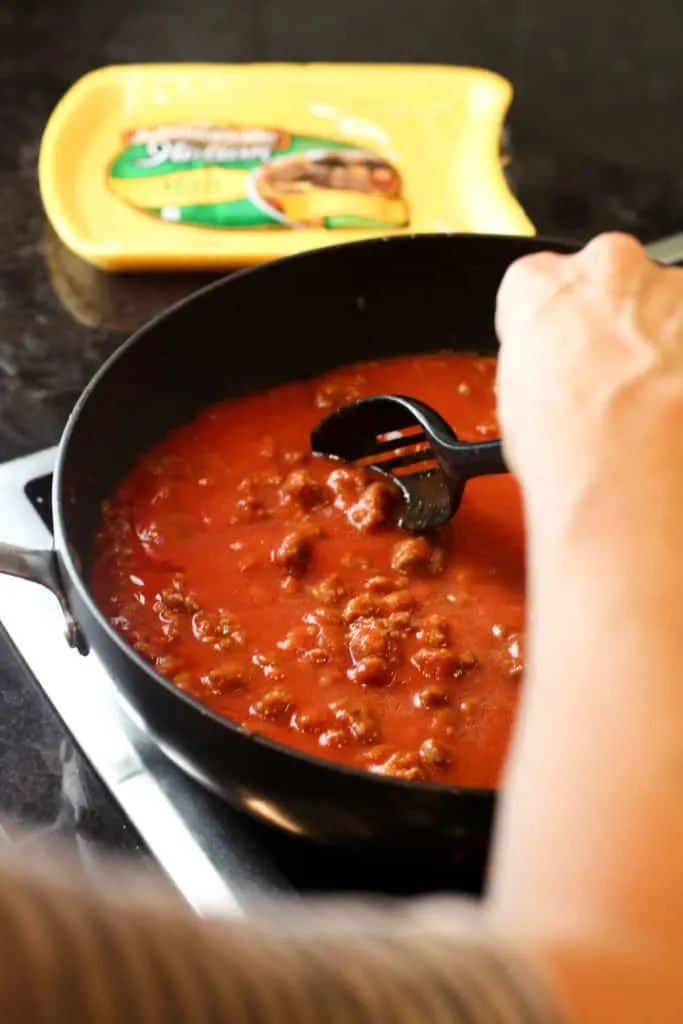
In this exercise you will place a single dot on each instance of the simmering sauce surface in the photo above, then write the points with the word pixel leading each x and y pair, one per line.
pixel 274 586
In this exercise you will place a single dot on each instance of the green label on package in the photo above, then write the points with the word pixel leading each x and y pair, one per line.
pixel 249 178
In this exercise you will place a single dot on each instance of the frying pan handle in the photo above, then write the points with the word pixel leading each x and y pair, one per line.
pixel 668 251
pixel 40 566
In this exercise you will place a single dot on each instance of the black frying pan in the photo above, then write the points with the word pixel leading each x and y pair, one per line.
pixel 295 318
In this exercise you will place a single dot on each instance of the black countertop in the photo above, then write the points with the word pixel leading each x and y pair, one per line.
pixel 59 318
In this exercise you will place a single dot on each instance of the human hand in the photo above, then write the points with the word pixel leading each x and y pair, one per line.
pixel 590 389
pixel 590 378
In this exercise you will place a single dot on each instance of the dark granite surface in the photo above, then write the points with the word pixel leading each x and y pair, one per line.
pixel 59 318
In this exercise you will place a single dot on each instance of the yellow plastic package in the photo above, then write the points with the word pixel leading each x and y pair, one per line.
pixel 165 166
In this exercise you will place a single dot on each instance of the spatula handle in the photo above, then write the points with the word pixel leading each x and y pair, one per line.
pixel 480 458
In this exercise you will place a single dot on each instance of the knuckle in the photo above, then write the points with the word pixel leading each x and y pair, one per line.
pixel 537 265
pixel 612 253
pixel 527 284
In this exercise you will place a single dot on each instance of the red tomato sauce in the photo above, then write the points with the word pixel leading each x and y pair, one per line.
pixel 275 587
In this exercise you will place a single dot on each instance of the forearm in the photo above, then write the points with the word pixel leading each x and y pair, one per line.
pixel 591 837
pixel 70 955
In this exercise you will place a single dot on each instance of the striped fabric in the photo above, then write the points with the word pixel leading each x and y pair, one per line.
pixel 73 950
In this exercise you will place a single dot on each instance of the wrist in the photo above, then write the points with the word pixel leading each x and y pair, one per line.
pixel 614 505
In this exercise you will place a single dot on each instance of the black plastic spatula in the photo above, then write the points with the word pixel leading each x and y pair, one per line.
pixel 410 442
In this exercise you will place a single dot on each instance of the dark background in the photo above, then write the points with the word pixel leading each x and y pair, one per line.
pixel 591 76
